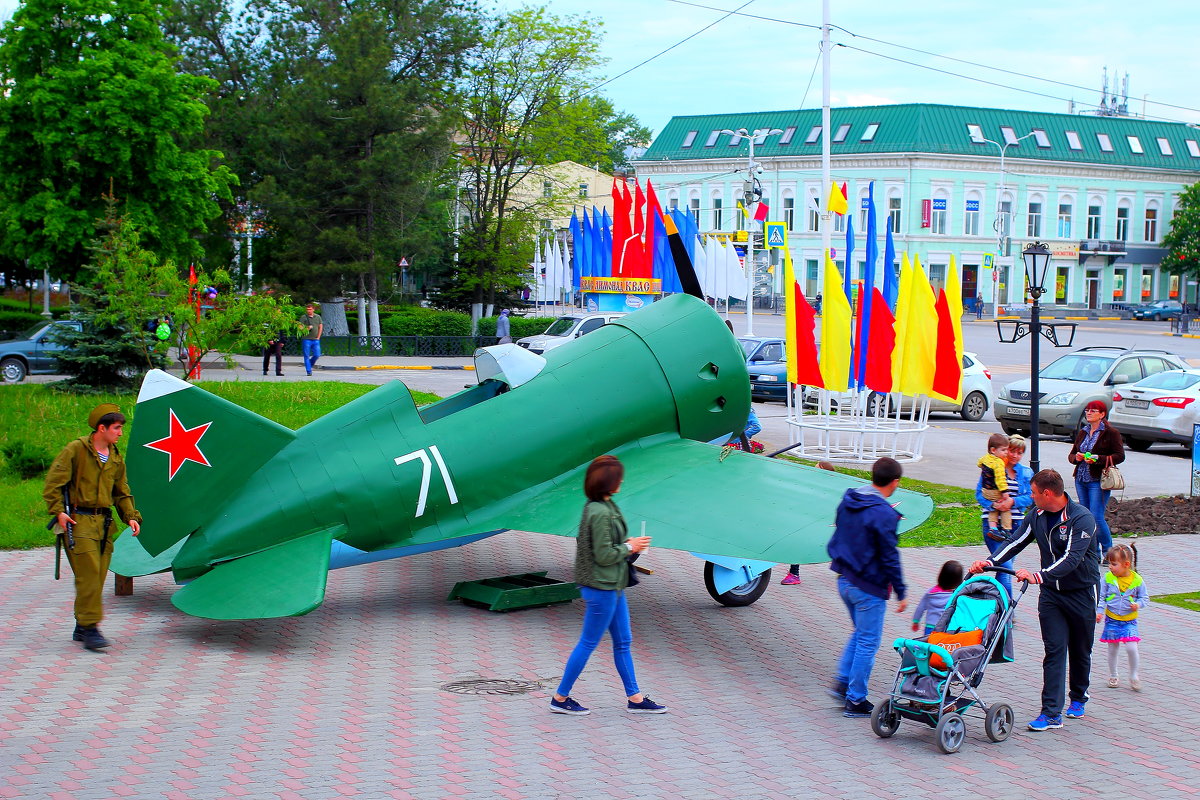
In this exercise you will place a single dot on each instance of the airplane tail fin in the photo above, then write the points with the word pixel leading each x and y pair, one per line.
pixel 186 448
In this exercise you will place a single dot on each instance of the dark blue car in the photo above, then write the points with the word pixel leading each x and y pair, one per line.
pixel 766 361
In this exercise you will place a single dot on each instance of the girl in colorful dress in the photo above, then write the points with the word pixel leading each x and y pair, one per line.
pixel 1123 595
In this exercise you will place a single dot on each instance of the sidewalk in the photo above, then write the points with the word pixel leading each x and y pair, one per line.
pixel 347 701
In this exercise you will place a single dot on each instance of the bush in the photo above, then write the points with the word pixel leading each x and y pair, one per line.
pixel 26 460
pixel 415 321
pixel 520 327
pixel 18 320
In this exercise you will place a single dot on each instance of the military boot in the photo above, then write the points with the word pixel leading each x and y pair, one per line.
pixel 91 637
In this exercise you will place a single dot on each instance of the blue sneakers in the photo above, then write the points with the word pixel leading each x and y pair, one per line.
pixel 568 706
pixel 647 706
pixel 1045 723
pixel 1075 710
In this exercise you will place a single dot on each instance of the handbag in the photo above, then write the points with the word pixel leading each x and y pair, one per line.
pixel 633 573
pixel 1111 479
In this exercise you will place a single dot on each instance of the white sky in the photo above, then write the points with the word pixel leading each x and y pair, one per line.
pixel 743 64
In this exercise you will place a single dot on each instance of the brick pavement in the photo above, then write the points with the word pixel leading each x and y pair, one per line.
pixel 346 703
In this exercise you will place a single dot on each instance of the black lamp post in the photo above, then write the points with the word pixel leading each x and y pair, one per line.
pixel 1037 260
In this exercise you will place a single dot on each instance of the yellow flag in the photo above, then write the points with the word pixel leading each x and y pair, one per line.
pixel 954 301
pixel 920 341
pixel 835 331
pixel 837 201
pixel 789 304
pixel 901 324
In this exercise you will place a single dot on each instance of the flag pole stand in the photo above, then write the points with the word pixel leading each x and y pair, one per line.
pixel 858 426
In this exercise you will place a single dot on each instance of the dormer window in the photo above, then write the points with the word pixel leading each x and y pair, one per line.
pixel 691 137
pixel 1041 138
pixel 1105 142
pixel 976 134
pixel 1073 141
pixel 1135 144
pixel 813 135
pixel 842 132
pixel 788 133
pixel 869 133
pixel 1010 136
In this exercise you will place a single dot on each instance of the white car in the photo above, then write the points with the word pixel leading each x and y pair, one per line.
pixel 567 329
pixel 976 394
pixel 1160 408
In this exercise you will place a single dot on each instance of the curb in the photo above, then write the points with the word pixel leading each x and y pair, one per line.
pixel 397 366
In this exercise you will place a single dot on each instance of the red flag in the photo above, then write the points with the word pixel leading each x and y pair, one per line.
pixel 845 192
pixel 653 212
pixel 881 341
pixel 191 275
pixel 808 365
pixel 760 213
pixel 947 370
pixel 621 230
pixel 635 254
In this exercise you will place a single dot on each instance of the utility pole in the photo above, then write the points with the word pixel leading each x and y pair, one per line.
pixel 751 193
pixel 1001 223
pixel 826 157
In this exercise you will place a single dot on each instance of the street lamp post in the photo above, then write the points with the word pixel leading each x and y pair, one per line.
pixel 749 196
pixel 1037 259
pixel 1000 223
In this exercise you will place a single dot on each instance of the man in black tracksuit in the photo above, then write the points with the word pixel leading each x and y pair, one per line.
pixel 1065 532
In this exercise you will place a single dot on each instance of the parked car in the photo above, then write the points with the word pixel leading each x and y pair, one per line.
pixel 1070 383
pixel 1160 408
pixel 566 329
pixel 976 395
pixel 766 361
pixel 33 353
pixel 1158 310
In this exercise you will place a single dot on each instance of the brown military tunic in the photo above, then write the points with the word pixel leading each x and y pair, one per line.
pixel 92 485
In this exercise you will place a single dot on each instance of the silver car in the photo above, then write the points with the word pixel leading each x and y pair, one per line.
pixel 1070 383
pixel 1162 408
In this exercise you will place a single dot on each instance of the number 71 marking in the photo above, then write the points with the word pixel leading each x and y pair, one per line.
pixel 426 469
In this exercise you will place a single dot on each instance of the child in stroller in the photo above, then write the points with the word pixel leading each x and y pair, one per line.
pixel 939 673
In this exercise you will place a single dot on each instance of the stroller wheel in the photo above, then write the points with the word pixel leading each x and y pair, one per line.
pixel 884 720
pixel 951 730
pixel 998 723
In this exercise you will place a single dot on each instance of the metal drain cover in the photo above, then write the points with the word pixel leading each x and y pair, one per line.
pixel 491 686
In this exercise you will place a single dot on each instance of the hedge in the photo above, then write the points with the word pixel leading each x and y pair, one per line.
pixel 18 320
pixel 520 327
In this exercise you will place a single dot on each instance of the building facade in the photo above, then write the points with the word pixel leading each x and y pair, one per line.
pixel 977 184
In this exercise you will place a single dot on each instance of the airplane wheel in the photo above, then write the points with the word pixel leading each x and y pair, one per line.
pixel 738 596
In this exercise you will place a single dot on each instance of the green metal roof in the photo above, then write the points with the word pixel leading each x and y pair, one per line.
pixel 927 128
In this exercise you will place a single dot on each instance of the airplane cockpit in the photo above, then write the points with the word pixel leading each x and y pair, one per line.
pixel 499 369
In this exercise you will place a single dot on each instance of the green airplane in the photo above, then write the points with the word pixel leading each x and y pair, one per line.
pixel 250 516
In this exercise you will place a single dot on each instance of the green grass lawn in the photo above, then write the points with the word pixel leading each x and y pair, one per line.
pixel 1188 600
pixel 47 420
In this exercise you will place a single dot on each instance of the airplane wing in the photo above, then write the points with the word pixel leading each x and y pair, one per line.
pixel 746 506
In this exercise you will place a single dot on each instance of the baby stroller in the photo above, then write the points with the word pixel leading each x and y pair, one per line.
pixel 939 673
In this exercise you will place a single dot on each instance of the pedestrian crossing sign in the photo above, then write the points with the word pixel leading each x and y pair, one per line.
pixel 989 260
pixel 775 234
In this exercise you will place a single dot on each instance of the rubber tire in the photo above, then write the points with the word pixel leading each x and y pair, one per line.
pixel 974 406
pixel 950 733
pixel 1140 445
pixel 739 596
pixel 13 369
pixel 999 722
pixel 884 721
pixel 1009 430
pixel 879 404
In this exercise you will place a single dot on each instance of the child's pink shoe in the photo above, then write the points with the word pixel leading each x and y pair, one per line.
pixel 790 580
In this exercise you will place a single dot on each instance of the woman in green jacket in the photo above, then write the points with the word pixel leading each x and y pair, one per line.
pixel 602 573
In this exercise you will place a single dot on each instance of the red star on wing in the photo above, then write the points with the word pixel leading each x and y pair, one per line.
pixel 181 444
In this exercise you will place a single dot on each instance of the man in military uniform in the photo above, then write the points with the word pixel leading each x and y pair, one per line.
pixel 92 471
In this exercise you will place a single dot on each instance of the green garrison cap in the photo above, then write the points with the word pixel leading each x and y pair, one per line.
pixel 99 411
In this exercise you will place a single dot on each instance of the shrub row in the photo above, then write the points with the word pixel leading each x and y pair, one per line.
pixel 17 320
pixel 416 321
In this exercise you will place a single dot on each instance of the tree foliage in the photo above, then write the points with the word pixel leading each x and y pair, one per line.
pixel 94 104
pixel 1183 239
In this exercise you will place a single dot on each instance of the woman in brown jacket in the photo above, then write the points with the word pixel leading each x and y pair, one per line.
pixel 1103 443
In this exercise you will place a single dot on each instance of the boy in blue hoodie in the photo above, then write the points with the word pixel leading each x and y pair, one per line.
pixel 865 556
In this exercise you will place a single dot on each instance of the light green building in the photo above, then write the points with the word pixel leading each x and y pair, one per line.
pixel 1100 190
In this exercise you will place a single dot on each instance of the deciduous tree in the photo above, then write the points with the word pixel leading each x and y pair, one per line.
pixel 1183 239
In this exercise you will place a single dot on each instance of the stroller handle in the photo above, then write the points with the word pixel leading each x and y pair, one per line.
pixel 1005 570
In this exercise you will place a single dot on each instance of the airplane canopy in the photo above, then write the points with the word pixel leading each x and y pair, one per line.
pixel 509 363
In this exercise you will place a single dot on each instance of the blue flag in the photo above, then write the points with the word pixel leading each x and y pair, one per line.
pixel 868 289
pixel 604 260
pixel 891 286
pixel 846 279
pixel 577 248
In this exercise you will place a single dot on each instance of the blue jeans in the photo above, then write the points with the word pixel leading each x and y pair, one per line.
pixel 858 657
pixel 311 348
pixel 993 546
pixel 606 611
pixel 1096 499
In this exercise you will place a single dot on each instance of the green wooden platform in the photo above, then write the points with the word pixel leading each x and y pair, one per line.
pixel 511 592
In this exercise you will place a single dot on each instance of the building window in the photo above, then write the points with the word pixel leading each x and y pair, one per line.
pixel 1006 207
pixel 812 269
pixel 813 135
pixel 937 277
pixel 789 213
pixel 1010 136
pixel 814 217
pixel 1151 224
pixel 694 207
pixel 1193 148
pixel 1093 222
pixel 869 133
pixel 1135 144
pixel 842 132
pixel 735 140
pixel 862 213
pixel 1033 228
pixel 1073 141
pixel 1123 223
pixel 1164 147
pixel 583 190
pixel 712 138
pixel 740 217
pixel 1041 138
pixel 691 137
pixel 938 219
pixel 673 203
pixel 971 218
pixel 1105 142
pixel 839 222
pixel 1064 220
pixel 894 214
pixel 716 219
pixel 788 133
pixel 976 134
pixel 547 189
